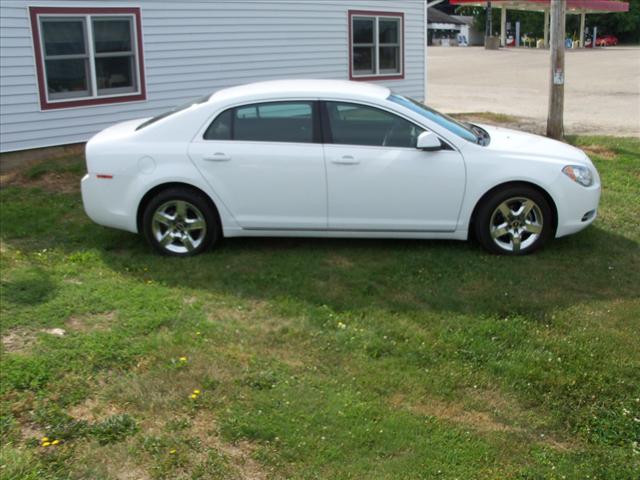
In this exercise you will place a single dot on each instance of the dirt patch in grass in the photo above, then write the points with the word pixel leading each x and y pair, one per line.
pixel 190 300
pixel 454 412
pixel 129 472
pixel 224 312
pixel 119 461
pixel 92 410
pixel 239 454
pixel 29 431
pixel 599 151
pixel 52 182
pixel 91 322
pixel 483 421
pixel 55 175
pixel 18 340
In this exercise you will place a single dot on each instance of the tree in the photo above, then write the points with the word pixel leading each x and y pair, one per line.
pixel 625 26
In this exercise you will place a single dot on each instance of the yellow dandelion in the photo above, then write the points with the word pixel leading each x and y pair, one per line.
pixel 183 359
pixel 46 444
pixel 44 439
pixel 198 333
pixel 193 396
pixel 173 451
pixel 197 392
pixel 55 442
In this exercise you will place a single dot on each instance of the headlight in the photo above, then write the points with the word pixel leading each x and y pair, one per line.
pixel 579 174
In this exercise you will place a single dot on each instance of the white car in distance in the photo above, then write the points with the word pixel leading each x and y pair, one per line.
pixel 328 158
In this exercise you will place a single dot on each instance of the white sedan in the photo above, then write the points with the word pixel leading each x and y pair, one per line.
pixel 325 158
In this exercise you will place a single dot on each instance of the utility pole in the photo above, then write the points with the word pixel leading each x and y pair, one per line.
pixel 555 123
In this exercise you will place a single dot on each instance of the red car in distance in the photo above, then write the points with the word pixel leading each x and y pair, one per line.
pixel 606 41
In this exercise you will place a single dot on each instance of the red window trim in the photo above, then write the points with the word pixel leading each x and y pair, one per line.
pixel 393 76
pixel 42 80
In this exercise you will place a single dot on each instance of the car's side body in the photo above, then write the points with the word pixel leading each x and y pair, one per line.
pixel 318 189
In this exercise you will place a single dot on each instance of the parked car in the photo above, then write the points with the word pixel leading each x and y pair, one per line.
pixel 606 41
pixel 326 158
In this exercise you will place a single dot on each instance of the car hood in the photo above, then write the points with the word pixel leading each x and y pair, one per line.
pixel 513 142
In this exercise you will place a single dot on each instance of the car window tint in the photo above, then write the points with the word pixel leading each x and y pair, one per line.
pixel 220 128
pixel 274 122
pixel 247 112
pixel 441 119
pixel 353 124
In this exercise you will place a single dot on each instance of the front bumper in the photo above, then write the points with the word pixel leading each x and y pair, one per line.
pixel 577 206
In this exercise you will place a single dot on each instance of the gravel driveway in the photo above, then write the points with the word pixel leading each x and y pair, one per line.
pixel 602 90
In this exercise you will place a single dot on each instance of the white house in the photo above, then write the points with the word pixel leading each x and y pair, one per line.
pixel 71 68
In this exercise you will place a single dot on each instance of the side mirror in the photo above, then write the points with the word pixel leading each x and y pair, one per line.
pixel 429 142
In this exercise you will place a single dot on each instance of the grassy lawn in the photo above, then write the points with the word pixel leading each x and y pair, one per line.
pixel 327 359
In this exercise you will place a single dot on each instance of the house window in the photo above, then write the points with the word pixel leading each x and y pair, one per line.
pixel 376 45
pixel 87 56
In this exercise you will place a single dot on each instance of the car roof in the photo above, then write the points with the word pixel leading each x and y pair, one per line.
pixel 341 89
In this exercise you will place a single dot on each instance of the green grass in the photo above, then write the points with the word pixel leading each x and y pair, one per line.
pixel 61 165
pixel 320 358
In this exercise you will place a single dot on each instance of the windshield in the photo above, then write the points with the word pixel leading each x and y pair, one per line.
pixel 460 129
pixel 177 109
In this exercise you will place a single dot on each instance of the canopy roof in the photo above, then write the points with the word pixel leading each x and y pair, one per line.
pixel 573 6
pixel 436 16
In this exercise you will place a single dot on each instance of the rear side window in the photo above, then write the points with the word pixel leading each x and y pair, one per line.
pixel 168 113
pixel 265 122
pixel 220 128
pixel 353 124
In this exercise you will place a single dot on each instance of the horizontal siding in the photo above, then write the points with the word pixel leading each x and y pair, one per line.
pixel 192 48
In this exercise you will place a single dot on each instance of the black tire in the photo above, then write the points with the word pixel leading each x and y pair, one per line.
pixel 193 229
pixel 525 233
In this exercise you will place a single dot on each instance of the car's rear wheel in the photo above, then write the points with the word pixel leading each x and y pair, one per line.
pixel 514 220
pixel 180 222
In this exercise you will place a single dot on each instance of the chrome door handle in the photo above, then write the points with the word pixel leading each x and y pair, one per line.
pixel 217 157
pixel 346 160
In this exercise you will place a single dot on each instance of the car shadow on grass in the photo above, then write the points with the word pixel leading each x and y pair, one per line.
pixel 355 274
pixel 401 275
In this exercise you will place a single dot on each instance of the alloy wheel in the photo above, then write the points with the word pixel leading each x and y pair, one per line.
pixel 516 224
pixel 178 226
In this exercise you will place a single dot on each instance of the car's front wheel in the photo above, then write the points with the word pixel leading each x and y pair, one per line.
pixel 180 222
pixel 514 221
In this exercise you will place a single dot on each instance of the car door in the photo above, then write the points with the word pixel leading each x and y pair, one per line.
pixel 265 162
pixel 378 180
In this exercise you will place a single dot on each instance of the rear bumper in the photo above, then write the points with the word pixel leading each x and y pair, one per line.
pixel 105 202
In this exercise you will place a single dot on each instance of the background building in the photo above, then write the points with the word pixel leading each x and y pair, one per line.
pixel 70 69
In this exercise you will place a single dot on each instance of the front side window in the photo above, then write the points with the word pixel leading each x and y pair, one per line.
pixel 353 124
pixel 265 122
pixel 376 45
pixel 87 56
